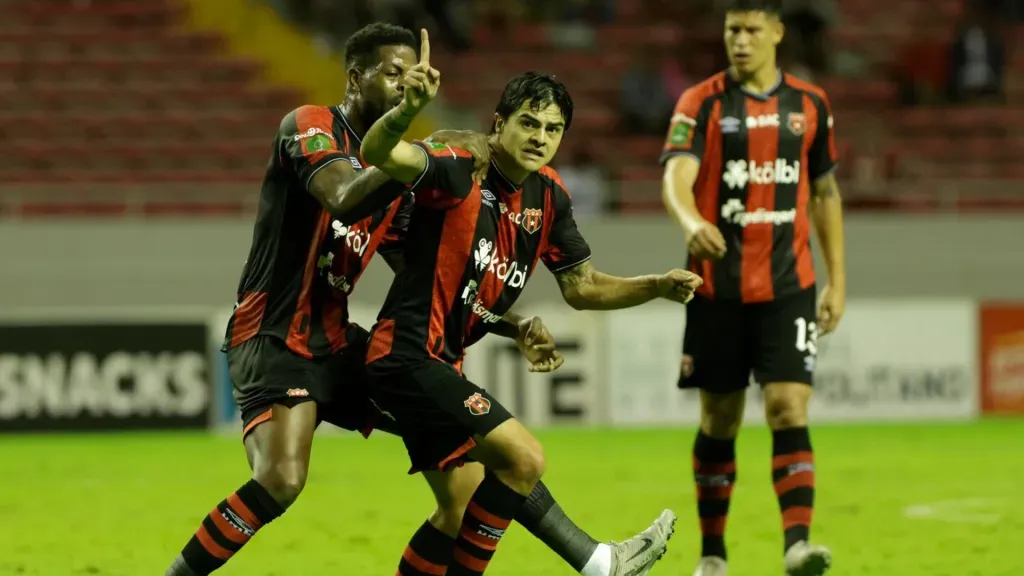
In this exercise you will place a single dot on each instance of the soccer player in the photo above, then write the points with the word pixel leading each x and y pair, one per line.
pixel 470 250
pixel 749 162
pixel 293 356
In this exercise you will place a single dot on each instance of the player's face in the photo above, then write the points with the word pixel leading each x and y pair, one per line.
pixel 751 39
pixel 531 137
pixel 382 86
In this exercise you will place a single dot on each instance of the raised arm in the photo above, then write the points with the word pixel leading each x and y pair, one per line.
pixel 383 145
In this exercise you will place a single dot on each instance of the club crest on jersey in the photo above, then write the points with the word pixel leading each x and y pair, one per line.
pixel 477 404
pixel 532 219
pixel 797 123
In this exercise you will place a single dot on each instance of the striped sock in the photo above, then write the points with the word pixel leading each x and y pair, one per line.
pixel 793 475
pixel 429 553
pixel 225 530
pixel 714 472
pixel 488 515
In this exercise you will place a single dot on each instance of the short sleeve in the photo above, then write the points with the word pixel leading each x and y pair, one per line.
pixel 688 129
pixel 308 142
pixel 822 157
pixel 565 247
pixel 398 229
pixel 447 179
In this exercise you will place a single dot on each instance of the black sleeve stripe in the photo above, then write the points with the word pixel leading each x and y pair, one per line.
pixel 666 156
pixel 426 167
pixel 570 266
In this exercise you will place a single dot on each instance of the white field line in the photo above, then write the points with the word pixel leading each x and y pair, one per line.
pixel 958 511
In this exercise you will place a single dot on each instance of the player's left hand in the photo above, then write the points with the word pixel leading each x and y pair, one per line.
pixel 831 306
pixel 678 285
pixel 473 142
pixel 537 345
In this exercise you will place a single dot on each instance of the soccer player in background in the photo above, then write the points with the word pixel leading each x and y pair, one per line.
pixel 470 250
pixel 749 162
pixel 294 357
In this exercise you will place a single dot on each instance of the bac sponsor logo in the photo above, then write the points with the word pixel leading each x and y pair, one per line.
pixel 763 121
pixel 477 404
pixel 738 173
pixel 298 392
pixel 530 219
pixel 734 212
pixel 121 384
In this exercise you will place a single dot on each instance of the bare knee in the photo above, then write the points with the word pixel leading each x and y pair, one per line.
pixel 448 517
pixel 721 414
pixel 283 479
pixel 533 466
pixel 785 405
pixel 514 455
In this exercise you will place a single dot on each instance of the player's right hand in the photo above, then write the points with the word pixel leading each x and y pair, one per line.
pixel 678 285
pixel 537 345
pixel 706 243
pixel 421 81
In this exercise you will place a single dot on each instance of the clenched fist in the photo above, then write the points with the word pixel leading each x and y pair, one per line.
pixel 678 285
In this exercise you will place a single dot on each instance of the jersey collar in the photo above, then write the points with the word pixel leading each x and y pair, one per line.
pixel 506 183
pixel 763 97
pixel 344 120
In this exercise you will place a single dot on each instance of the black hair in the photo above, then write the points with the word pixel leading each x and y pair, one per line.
pixel 539 90
pixel 362 50
pixel 768 6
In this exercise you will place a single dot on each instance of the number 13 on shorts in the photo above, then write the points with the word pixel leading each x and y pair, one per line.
pixel 806 336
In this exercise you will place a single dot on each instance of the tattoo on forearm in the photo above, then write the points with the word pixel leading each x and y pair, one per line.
pixel 574 277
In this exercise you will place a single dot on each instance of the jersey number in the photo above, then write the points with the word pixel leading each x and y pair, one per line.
pixel 806 336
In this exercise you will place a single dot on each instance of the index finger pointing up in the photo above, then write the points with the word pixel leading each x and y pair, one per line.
pixel 424 47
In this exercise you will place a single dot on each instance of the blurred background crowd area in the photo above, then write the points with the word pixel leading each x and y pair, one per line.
pixel 98 95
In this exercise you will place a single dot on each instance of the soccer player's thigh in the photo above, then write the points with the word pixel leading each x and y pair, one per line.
pixel 276 391
pixel 786 351
pixel 441 415
pixel 346 394
pixel 717 361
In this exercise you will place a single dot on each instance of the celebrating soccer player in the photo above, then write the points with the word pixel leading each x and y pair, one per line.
pixel 749 162
pixel 293 356
pixel 470 250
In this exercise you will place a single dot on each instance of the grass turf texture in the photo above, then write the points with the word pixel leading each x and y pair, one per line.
pixel 125 504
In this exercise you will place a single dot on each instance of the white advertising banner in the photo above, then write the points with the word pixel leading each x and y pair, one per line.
pixel 571 395
pixel 889 360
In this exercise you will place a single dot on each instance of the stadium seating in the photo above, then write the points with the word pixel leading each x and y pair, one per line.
pixel 964 143
pixel 115 91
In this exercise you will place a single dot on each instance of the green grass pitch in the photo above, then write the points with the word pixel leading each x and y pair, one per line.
pixel 929 500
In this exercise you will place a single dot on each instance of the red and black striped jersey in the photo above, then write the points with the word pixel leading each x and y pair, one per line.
pixel 759 155
pixel 469 252
pixel 303 265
